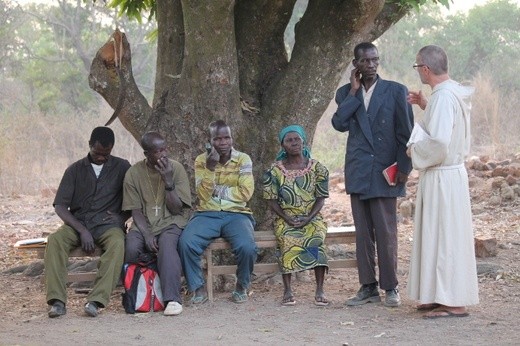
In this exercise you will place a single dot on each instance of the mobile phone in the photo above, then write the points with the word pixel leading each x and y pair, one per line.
pixel 208 148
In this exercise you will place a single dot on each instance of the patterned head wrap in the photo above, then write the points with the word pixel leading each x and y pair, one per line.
pixel 300 131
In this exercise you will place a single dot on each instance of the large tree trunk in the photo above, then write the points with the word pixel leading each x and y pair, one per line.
pixel 226 60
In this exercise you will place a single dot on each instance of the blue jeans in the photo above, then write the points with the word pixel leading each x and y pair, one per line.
pixel 202 229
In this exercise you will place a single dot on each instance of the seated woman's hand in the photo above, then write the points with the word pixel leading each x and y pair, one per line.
pixel 299 221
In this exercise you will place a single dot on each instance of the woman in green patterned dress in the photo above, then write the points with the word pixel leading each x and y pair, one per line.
pixel 296 187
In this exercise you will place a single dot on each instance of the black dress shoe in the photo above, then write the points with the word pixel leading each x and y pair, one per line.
pixel 58 309
pixel 91 309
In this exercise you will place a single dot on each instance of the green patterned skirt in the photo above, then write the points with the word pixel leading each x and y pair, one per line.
pixel 301 248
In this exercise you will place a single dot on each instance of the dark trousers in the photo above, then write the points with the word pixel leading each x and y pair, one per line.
pixel 168 260
pixel 375 220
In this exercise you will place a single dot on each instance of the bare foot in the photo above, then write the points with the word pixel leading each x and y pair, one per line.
pixel 288 298
pixel 320 300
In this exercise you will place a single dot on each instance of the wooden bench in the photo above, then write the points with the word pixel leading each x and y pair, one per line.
pixel 263 239
pixel 266 239
pixel 77 252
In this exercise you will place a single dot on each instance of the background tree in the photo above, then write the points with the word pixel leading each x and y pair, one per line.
pixel 50 49
pixel 227 60
pixel 482 39
pixel 57 133
pixel 481 49
pixel 46 105
pixel 483 45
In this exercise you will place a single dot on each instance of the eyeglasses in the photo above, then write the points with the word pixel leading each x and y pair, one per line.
pixel 415 66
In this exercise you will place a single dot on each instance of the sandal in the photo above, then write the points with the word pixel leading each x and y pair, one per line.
pixel 443 313
pixel 289 301
pixel 198 300
pixel 321 301
pixel 427 307
pixel 239 297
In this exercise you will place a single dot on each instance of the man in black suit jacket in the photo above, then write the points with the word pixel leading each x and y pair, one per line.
pixel 379 121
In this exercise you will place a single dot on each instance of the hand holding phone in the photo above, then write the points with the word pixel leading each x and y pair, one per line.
pixel 355 80
pixel 208 148
pixel 212 157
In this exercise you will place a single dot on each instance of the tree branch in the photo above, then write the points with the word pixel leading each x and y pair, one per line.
pixel 324 39
pixel 133 110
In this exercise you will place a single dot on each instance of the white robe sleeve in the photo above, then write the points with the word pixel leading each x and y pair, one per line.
pixel 433 149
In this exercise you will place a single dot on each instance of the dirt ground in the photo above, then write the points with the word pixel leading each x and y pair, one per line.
pixel 262 320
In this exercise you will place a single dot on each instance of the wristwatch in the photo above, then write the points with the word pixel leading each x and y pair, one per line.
pixel 169 188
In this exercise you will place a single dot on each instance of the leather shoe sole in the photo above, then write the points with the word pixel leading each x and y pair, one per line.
pixel 355 301
pixel 392 304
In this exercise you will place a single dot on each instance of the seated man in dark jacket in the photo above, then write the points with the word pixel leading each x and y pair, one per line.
pixel 89 203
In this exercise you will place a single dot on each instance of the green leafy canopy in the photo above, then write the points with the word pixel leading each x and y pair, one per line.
pixel 134 8
pixel 416 4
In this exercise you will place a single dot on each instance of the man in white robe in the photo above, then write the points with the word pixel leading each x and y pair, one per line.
pixel 442 273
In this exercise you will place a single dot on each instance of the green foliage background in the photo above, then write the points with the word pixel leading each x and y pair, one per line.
pixel 483 46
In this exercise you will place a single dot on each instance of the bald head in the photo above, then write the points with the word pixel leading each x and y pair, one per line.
pixel 150 139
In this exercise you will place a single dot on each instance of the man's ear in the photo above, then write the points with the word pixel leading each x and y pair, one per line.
pixel 354 63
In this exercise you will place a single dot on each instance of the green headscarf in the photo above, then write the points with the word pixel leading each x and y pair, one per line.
pixel 300 131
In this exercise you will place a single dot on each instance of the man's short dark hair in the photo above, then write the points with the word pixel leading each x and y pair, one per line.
pixel 103 135
pixel 362 47
pixel 216 125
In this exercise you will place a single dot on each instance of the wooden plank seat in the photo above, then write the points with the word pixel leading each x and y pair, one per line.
pixel 265 239
pixel 77 252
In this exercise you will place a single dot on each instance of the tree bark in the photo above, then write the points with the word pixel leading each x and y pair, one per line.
pixel 170 44
pixel 227 60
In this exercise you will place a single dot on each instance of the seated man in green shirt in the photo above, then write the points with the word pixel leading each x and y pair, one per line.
pixel 224 184
pixel 157 192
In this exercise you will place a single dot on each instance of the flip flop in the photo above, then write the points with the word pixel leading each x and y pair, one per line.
pixel 239 297
pixel 321 302
pixel 427 307
pixel 197 300
pixel 446 312
pixel 290 301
